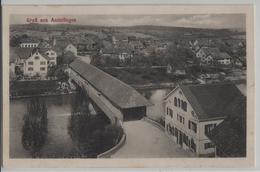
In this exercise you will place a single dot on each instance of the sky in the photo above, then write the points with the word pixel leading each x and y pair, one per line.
pixel 180 20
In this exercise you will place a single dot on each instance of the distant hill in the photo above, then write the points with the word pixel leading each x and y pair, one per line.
pixel 165 32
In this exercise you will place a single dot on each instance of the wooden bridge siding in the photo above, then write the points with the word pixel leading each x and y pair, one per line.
pixel 104 104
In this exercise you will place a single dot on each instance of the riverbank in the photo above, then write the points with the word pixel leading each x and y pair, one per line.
pixel 42 95
pixel 38 88
pixel 152 86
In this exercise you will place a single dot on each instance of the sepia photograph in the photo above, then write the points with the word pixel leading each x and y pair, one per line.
pixel 128 86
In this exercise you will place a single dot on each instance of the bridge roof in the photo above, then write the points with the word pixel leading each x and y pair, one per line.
pixel 119 93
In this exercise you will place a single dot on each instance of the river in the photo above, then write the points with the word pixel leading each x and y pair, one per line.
pixel 59 143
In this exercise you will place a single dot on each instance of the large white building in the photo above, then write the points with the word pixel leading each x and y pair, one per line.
pixel 36 64
pixel 192 111
pixel 32 61
pixel 29 43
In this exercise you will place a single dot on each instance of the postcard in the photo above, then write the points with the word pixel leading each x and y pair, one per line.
pixel 128 86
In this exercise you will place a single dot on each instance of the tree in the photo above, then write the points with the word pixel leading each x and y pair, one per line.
pixel 35 126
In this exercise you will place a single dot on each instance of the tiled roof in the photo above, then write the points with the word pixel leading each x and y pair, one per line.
pixel 29 40
pixel 61 44
pixel 13 55
pixel 230 135
pixel 119 93
pixel 216 53
pixel 212 101
pixel 23 53
pixel 223 55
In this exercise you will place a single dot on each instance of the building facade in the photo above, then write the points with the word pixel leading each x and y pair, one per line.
pixel 190 116
pixel 52 57
pixel 71 48
pixel 36 65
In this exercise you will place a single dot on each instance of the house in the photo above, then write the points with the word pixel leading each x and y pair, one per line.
pixel 119 38
pixel 18 56
pixel 52 56
pixel 63 45
pixel 209 55
pixel 223 58
pixel 124 55
pixel 229 137
pixel 70 47
pixel 29 43
pixel 194 45
pixel 44 44
pixel 192 111
pixel 36 64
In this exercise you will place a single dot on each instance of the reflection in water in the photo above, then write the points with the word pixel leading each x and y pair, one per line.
pixel 34 130
pixel 86 130
pixel 59 142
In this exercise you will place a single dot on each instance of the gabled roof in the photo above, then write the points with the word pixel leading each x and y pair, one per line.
pixel 61 44
pixel 212 101
pixel 230 135
pixel 223 55
pixel 23 53
pixel 119 93
pixel 29 40
pixel 41 52
pixel 44 44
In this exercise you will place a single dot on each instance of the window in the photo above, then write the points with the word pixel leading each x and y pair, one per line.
pixel 30 69
pixel 179 102
pixel 193 145
pixel 185 139
pixel 209 127
pixel 172 130
pixel 30 63
pixel 193 126
pixel 184 106
pixel 171 112
pixel 209 145
pixel 175 101
pixel 43 63
pixel 36 57
pixel 180 119
pixel 42 68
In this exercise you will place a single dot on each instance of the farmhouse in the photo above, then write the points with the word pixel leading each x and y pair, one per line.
pixel 208 55
pixel 223 58
pixel 36 64
pixel 193 111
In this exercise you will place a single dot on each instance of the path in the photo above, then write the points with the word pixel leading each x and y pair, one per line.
pixel 144 140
